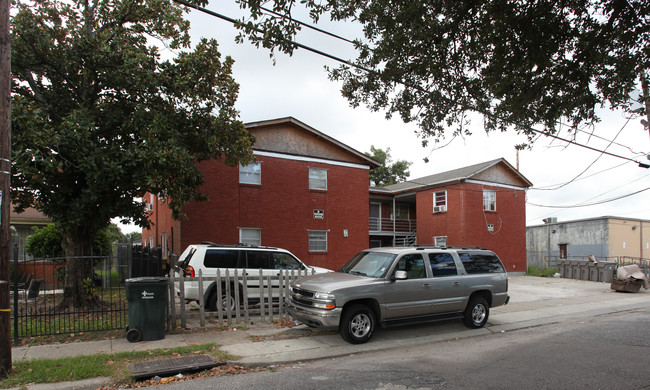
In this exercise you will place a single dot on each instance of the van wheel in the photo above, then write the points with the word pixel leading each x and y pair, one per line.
pixel 226 302
pixel 476 313
pixel 357 325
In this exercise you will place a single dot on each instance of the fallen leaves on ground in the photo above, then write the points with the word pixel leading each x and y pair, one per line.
pixel 214 372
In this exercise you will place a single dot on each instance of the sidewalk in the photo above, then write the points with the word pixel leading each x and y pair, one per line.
pixel 534 301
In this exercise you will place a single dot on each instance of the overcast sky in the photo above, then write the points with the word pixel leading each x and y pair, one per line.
pixel 298 86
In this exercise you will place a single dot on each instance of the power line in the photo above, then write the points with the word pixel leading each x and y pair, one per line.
pixel 320 30
pixel 590 165
pixel 357 66
pixel 590 204
pixel 297 44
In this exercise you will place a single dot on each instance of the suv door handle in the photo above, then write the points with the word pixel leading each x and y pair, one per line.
pixel 426 285
pixel 456 284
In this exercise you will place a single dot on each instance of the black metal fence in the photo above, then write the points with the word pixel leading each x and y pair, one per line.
pixel 38 296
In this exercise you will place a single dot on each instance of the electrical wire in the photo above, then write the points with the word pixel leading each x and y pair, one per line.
pixel 320 30
pixel 557 187
pixel 357 66
pixel 590 204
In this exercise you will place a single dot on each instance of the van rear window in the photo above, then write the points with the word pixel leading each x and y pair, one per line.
pixel 480 263
pixel 221 258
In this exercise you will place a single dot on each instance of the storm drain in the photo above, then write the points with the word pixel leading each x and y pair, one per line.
pixel 173 366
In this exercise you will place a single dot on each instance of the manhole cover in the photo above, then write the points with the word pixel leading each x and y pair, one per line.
pixel 173 366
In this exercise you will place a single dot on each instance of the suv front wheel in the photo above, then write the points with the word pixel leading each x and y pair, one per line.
pixel 477 312
pixel 358 324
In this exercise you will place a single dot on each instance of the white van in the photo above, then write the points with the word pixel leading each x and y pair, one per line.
pixel 247 260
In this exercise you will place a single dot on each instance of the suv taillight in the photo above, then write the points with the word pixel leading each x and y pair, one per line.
pixel 189 272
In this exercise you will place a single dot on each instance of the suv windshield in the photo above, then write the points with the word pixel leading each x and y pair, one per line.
pixel 371 264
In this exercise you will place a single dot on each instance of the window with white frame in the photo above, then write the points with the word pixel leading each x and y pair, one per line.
pixel 439 202
pixel 317 179
pixel 251 173
pixel 489 200
pixel 318 241
pixel 250 236
pixel 401 212
pixel 440 240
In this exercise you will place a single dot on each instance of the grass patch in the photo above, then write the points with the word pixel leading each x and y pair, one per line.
pixel 539 271
pixel 115 366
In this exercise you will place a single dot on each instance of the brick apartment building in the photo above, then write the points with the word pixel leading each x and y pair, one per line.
pixel 480 205
pixel 309 193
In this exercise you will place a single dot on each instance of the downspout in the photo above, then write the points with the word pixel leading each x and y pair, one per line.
pixel 641 239
pixel 394 236
pixel 548 242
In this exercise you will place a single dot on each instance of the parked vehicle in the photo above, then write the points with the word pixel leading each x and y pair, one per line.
pixel 396 286
pixel 250 261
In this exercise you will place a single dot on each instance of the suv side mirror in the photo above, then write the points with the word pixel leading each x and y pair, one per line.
pixel 400 275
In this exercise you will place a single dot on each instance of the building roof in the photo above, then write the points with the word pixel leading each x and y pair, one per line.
pixel 30 216
pixel 589 219
pixel 277 142
pixel 454 176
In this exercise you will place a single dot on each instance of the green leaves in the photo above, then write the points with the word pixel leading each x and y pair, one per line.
pixel 520 64
pixel 99 119
pixel 388 173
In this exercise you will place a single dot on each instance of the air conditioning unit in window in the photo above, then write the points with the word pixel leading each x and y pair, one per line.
pixel 439 209
pixel 148 207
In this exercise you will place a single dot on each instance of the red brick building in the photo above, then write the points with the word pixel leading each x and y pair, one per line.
pixel 309 193
pixel 481 205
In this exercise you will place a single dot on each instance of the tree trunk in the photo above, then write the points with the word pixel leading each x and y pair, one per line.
pixel 78 272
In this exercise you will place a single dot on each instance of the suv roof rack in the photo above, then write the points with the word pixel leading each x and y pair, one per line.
pixel 212 244
pixel 422 247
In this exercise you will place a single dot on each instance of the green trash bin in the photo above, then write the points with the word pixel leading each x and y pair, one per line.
pixel 147 299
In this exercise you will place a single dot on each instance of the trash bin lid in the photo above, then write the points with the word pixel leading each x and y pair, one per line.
pixel 147 279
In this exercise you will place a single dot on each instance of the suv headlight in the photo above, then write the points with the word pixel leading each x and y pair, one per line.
pixel 324 301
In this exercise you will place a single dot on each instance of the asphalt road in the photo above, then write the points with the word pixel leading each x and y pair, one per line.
pixel 603 352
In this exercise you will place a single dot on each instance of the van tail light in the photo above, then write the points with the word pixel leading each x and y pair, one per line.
pixel 189 272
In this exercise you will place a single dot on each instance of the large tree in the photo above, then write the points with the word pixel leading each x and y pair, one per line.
pixel 522 64
pixel 99 118
pixel 389 172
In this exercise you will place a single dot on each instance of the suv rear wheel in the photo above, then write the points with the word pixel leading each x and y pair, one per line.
pixel 477 312
pixel 226 302
pixel 358 324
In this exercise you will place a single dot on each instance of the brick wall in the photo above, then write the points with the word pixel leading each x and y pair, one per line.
pixel 282 207
pixel 465 222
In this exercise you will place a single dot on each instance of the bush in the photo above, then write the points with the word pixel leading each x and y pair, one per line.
pixel 539 271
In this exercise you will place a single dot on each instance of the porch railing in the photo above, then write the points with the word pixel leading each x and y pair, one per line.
pixel 386 225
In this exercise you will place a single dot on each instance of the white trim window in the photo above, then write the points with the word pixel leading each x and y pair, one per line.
pixel 251 173
pixel 440 202
pixel 250 236
pixel 489 200
pixel 318 241
pixel 440 240
pixel 401 212
pixel 318 179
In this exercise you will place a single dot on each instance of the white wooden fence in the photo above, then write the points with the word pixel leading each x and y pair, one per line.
pixel 273 292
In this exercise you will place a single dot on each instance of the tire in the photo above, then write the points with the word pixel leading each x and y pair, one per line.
pixel 211 305
pixel 476 313
pixel 357 324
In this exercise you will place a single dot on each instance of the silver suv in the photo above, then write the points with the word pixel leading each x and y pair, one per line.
pixel 396 286
pixel 248 260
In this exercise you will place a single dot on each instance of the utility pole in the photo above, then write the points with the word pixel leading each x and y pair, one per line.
pixel 5 177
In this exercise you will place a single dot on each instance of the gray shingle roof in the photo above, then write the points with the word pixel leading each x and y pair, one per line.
pixel 459 174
